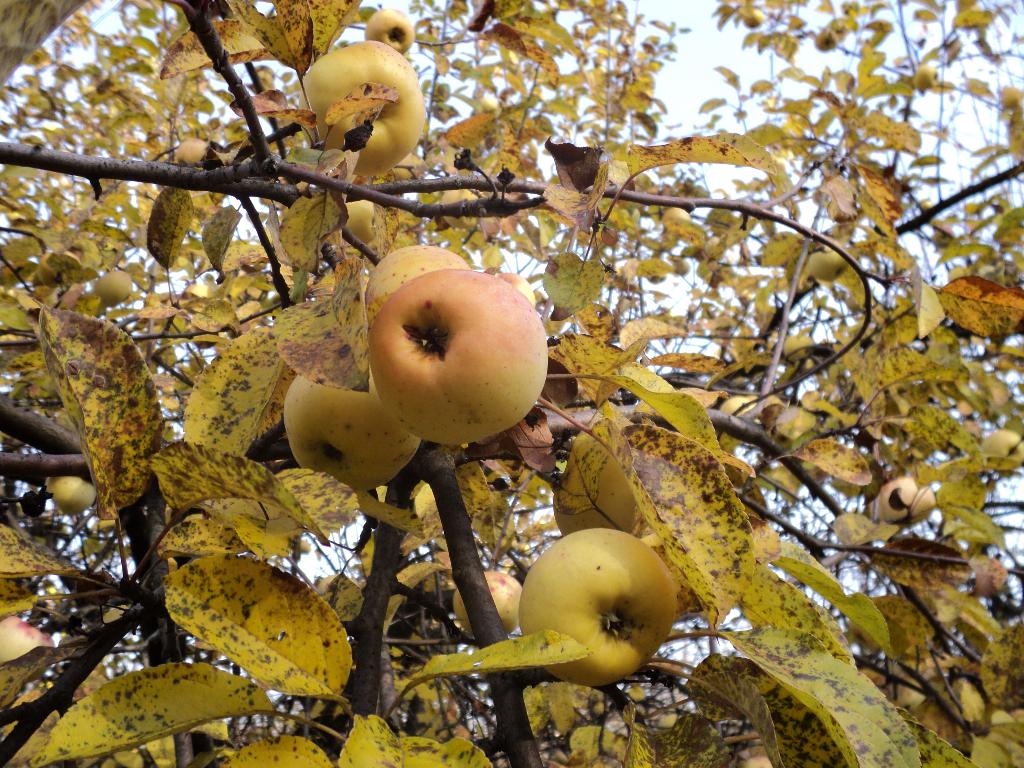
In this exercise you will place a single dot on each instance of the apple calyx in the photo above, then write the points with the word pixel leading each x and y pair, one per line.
pixel 432 340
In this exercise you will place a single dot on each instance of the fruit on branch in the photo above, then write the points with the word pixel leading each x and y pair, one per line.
pixel 360 219
pixel 405 264
pixel 608 503
pixel 505 592
pixel 609 591
pixel 901 501
pixel 1003 443
pixel 521 284
pixel 757 761
pixel 191 151
pixel 674 217
pixel 736 403
pixel 391 27
pixel 18 637
pixel 489 103
pixel 751 17
pixel 925 77
pixel 397 128
pixel 349 435
pixel 825 265
pixel 826 40
pixel 114 287
pixel 71 494
pixel 1011 98
pixel 458 355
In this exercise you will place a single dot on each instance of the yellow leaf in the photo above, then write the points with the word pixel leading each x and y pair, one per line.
pixel 572 283
pixel 692 741
pixel 329 19
pixel 142 706
pixel 17 673
pixel 689 361
pixel 186 53
pixel 539 649
pixel 403 519
pixel 304 227
pixel 229 402
pixel 14 598
pixel 20 557
pixel 169 222
pixel 862 722
pixel 198 536
pixel 983 307
pixel 107 390
pixel 371 744
pixel 282 752
pixel 1002 668
pixel 364 102
pixel 470 132
pixel 515 41
pixel 270 32
pixel 838 460
pixel 727 148
pixel 329 502
pixel 270 623
pixel 189 474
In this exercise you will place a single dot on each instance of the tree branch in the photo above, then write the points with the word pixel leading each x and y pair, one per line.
pixel 39 466
pixel 36 430
pixel 985 184
pixel 275 265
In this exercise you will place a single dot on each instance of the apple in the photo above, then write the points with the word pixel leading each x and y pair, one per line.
pixel 826 40
pixel 458 355
pixel 674 217
pixel 505 591
pixel 391 27
pixel 757 761
pixel 736 403
pixel 925 77
pixel 113 288
pixel 402 265
pixel 349 435
pixel 1003 443
pixel 751 17
pixel 360 219
pixel 18 637
pixel 71 494
pixel 489 103
pixel 609 504
pixel 825 266
pixel 609 591
pixel 901 501
pixel 191 151
pixel 398 127
pixel 521 284
pixel 1011 98
pixel 409 167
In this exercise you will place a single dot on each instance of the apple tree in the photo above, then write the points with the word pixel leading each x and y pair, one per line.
pixel 327 362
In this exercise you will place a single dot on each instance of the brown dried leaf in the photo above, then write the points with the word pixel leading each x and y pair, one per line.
pixel 471 131
pixel 169 222
pixel 577 167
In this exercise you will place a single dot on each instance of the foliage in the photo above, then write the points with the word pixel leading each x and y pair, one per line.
pixel 220 603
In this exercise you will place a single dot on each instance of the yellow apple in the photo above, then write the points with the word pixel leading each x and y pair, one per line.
pixel 18 637
pixel 71 494
pixel 409 167
pixel 751 17
pixel 505 591
pixel 397 129
pixel 405 264
pixel 825 266
pixel 674 217
pixel 391 27
pixel 191 151
pixel 608 504
pixel 450 196
pixel 901 501
pixel 609 591
pixel 489 103
pixel 349 435
pixel 521 284
pixel 925 77
pixel 458 355
pixel 114 287
pixel 736 403
pixel 757 761
pixel 1011 98
pixel 1002 443
pixel 360 219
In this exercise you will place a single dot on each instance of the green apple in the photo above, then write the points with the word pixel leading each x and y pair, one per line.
pixel 113 287
pixel 360 219
pixel 391 27
pixel 605 502
pixel 458 355
pixel 607 590
pixel 402 265
pixel 737 405
pixel 398 127
pixel 505 591
pixel 901 501
pixel 18 637
pixel 925 77
pixel 71 494
pixel 825 266
pixel 751 17
pixel 349 435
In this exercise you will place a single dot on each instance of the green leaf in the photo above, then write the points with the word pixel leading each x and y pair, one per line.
pixel 169 222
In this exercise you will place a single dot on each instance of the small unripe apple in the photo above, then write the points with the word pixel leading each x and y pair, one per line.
pixel 113 287
pixel 609 504
pixel 751 17
pixel 458 355
pixel 191 151
pixel 826 40
pixel 901 501
pixel 349 435
pixel 360 219
pixel 1011 98
pixel 609 591
pixel 489 103
pixel 391 27
pixel 734 404
pixel 18 637
pixel 825 266
pixel 398 127
pixel 402 265
pixel 925 77
pixel 505 591
pixel 521 284
pixel 1002 443
pixel 71 494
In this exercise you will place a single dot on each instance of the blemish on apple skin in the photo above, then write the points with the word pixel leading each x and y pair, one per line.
pixel 428 304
